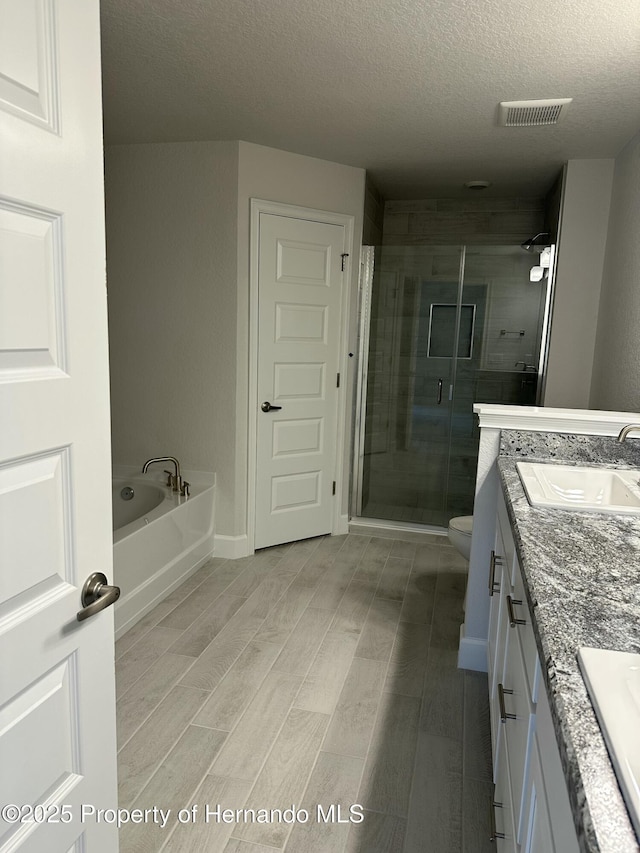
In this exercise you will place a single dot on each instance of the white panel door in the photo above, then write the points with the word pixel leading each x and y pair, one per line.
pixel 57 702
pixel 300 296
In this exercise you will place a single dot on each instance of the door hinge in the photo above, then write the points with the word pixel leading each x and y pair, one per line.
pixel 344 255
pixel 338 381
pixel 333 488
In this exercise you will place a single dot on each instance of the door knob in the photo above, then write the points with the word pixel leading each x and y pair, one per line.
pixel 267 407
pixel 96 595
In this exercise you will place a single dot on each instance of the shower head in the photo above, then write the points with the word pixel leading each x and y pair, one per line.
pixel 530 244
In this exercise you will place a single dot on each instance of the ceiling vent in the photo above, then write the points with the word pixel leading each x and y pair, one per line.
pixel 532 113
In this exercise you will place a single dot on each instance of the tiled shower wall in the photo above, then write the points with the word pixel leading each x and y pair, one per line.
pixel 373 215
pixel 474 219
pixel 415 251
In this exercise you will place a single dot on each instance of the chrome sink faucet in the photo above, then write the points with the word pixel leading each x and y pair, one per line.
pixel 624 432
pixel 175 480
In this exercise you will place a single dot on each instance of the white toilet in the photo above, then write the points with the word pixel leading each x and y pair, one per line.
pixel 459 533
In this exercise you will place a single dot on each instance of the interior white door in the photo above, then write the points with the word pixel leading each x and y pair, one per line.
pixel 300 283
pixel 57 697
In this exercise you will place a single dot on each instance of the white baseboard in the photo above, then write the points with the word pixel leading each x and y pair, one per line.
pixel 231 547
pixel 343 525
pixel 472 653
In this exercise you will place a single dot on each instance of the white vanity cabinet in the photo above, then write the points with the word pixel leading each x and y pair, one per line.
pixel 526 763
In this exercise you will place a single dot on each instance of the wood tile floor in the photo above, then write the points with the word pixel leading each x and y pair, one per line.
pixel 313 674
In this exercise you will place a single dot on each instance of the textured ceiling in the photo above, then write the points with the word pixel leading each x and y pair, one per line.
pixel 407 89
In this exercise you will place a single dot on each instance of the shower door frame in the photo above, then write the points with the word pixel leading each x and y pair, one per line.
pixel 365 288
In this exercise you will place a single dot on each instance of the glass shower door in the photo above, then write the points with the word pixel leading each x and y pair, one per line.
pixel 502 366
pixel 411 370
pixel 446 326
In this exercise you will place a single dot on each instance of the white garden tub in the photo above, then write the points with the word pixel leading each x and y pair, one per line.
pixel 159 539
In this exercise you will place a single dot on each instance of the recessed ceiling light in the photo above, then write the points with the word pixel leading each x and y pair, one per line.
pixel 477 185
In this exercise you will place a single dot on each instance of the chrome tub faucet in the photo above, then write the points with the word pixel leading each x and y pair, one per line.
pixel 175 481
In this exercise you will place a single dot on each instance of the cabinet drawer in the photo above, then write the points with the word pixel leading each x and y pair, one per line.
pixel 507 537
pixel 517 721
pixel 524 631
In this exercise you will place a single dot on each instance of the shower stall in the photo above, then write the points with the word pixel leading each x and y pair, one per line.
pixel 441 327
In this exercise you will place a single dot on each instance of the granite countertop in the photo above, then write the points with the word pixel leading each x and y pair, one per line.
pixel 582 580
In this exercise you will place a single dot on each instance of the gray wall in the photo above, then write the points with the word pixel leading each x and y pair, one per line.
pixel 616 366
pixel 581 251
pixel 171 212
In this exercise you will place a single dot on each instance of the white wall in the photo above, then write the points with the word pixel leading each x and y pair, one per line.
pixel 582 242
pixel 273 175
pixel 616 369
pixel 172 279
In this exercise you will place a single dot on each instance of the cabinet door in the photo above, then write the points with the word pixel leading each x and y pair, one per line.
pixel 557 796
pixel 503 831
pixel 537 836
pixel 516 706
pixel 502 639
pixel 496 575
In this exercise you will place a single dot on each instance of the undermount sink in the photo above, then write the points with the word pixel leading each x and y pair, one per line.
pixel 579 488
pixel 613 682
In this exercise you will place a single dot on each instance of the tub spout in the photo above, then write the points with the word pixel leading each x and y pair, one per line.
pixel 175 479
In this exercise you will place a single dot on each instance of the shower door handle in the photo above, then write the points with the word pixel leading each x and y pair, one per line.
pixel 439 399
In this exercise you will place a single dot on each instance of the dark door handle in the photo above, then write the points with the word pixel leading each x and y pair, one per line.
pixel 439 391
pixel 96 595
pixel 267 407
